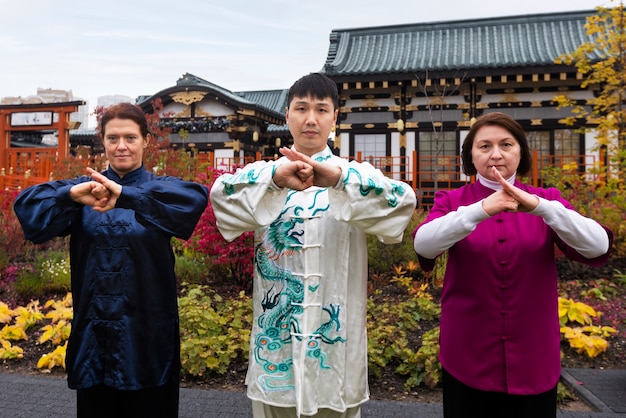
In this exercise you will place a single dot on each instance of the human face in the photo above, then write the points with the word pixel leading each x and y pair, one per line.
pixel 310 121
pixel 124 145
pixel 494 146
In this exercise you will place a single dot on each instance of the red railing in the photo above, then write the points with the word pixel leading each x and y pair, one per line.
pixel 425 174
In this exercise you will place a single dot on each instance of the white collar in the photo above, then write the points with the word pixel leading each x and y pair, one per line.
pixel 494 185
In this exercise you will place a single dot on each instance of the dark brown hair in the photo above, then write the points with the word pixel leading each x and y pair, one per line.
pixel 125 111
pixel 512 126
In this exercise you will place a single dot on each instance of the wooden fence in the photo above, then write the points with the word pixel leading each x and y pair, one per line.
pixel 425 174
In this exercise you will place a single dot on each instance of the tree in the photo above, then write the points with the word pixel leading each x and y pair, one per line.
pixel 436 96
pixel 602 62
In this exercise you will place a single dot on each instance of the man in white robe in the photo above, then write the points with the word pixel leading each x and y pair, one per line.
pixel 310 211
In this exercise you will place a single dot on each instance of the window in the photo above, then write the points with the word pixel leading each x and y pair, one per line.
pixel 437 143
pixel 540 141
pixel 371 145
pixel 555 148
pixel 373 149
pixel 439 159
pixel 566 142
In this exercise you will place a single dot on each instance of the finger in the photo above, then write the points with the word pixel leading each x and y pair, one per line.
pixel 510 189
pixel 292 154
pixel 497 175
pixel 91 171
pixel 97 176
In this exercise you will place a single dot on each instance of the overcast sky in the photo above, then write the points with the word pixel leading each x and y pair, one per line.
pixel 138 48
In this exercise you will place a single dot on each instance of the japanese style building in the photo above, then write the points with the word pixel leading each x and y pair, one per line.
pixel 408 94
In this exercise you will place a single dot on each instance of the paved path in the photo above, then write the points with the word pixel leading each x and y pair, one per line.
pixel 48 397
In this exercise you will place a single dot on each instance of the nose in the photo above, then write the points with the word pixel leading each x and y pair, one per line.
pixel 310 118
pixel 121 143
pixel 496 154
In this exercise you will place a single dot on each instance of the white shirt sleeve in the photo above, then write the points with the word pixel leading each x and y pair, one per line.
pixel 581 233
pixel 247 199
pixel 438 235
pixel 372 202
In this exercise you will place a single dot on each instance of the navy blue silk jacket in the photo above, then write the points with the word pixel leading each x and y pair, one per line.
pixel 125 331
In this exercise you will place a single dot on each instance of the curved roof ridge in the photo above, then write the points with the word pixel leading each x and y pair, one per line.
pixel 512 41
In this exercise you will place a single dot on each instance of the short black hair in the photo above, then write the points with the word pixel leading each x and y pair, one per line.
pixel 316 85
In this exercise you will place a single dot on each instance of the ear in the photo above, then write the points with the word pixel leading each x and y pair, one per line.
pixel 146 140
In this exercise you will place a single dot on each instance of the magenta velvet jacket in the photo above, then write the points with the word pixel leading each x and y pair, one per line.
pixel 499 320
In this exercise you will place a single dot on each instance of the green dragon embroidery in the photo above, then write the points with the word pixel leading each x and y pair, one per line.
pixel 282 302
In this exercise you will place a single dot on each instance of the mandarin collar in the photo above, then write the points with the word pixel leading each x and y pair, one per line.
pixel 128 177
pixel 322 155
pixel 494 185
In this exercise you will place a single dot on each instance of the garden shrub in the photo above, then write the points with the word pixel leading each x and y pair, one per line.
pixel 602 200
pixel 191 268
pixel 236 256
pixel 585 338
pixel 390 325
pixel 382 257
pixel 214 331
pixel 48 274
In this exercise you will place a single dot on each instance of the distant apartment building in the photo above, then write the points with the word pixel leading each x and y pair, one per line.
pixel 111 99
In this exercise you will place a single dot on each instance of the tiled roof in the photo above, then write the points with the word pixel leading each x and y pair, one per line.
pixel 266 102
pixel 275 100
pixel 195 81
pixel 516 41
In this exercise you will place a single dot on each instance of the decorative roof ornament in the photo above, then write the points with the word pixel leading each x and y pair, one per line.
pixel 188 97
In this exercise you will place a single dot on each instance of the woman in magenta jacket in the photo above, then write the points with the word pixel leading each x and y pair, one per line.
pixel 500 339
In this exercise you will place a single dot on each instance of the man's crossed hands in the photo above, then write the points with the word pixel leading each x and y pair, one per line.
pixel 302 172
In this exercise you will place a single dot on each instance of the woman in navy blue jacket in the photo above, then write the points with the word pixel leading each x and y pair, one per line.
pixel 123 353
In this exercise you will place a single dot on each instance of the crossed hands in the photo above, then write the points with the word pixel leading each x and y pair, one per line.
pixel 100 193
pixel 508 199
pixel 302 172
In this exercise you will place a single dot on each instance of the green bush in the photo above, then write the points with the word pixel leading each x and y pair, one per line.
pixel 214 331
pixel 602 200
pixel 49 274
pixel 390 324
pixel 192 269
pixel 383 257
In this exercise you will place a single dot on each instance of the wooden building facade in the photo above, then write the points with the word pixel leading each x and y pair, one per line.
pixel 408 94
pixel 413 90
